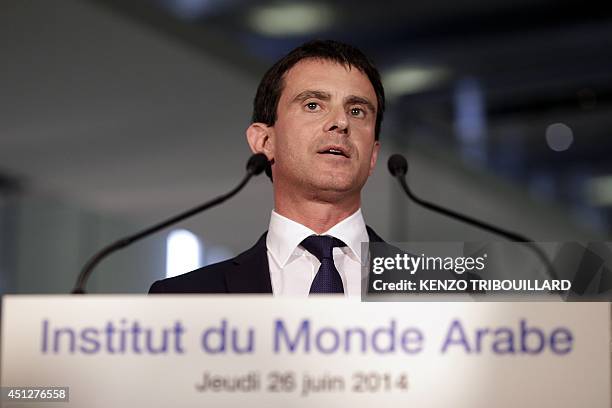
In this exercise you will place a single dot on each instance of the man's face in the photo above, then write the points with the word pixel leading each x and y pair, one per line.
pixel 323 139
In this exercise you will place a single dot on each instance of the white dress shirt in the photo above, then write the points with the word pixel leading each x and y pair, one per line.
pixel 292 268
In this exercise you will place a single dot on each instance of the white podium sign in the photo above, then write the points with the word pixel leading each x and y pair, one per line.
pixel 232 351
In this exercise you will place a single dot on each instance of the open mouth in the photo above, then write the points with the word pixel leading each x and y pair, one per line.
pixel 336 151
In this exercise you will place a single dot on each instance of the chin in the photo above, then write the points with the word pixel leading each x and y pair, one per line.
pixel 338 185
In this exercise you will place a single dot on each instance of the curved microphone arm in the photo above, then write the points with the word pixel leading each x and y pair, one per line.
pixel 398 167
pixel 255 166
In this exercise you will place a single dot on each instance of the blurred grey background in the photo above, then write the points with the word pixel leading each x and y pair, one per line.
pixel 116 114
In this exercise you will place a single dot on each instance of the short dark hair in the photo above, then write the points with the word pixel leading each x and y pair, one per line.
pixel 271 86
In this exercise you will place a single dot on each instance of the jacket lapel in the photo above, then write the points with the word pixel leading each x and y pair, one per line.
pixel 250 272
pixel 373 235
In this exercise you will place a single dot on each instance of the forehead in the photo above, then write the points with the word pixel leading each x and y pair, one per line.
pixel 324 75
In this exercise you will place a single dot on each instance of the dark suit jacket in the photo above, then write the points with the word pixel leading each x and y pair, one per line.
pixel 246 273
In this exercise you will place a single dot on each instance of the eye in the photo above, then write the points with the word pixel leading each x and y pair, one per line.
pixel 357 112
pixel 312 106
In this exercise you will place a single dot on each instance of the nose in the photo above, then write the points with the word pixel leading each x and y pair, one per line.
pixel 338 122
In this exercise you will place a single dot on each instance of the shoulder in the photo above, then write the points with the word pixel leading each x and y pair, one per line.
pixel 208 279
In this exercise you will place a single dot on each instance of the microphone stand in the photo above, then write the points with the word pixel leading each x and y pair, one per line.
pixel 398 167
pixel 256 164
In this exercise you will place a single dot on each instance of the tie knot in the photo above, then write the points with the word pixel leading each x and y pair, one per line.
pixel 321 246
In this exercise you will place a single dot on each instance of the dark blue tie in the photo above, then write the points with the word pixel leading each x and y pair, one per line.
pixel 328 278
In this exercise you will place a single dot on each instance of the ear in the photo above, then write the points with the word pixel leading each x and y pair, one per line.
pixel 374 157
pixel 260 138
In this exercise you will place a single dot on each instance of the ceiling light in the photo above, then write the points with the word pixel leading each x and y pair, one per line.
pixel 559 137
pixel 600 190
pixel 291 19
pixel 412 79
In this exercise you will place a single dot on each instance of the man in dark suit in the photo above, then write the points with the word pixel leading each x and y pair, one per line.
pixel 317 117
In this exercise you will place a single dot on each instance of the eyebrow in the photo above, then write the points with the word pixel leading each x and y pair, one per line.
pixel 302 96
pixel 325 96
pixel 354 99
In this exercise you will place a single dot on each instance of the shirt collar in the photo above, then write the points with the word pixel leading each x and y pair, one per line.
pixel 285 235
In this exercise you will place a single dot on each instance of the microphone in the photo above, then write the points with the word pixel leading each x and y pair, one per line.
pixel 398 167
pixel 255 166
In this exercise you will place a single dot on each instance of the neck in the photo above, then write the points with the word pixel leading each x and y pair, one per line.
pixel 318 215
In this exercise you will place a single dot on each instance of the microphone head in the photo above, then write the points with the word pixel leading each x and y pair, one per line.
pixel 257 163
pixel 398 165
